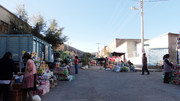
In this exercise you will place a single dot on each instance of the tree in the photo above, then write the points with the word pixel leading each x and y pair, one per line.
pixel 39 26
pixel 85 59
pixel 19 27
pixel 54 34
pixel 19 23
pixel 22 13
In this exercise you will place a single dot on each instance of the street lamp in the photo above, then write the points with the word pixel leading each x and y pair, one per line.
pixel 142 25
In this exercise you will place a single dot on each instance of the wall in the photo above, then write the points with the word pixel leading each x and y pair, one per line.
pixel 112 46
pixel 172 47
pixel 158 42
pixel 131 49
pixel 158 47
pixel 4 15
pixel 122 48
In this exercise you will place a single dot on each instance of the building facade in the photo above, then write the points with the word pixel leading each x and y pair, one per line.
pixel 154 48
pixel 7 17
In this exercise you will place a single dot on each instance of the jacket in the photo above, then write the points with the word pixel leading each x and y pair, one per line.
pixel 167 65
pixel 7 67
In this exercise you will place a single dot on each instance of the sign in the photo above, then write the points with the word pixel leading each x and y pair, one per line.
pixel 146 44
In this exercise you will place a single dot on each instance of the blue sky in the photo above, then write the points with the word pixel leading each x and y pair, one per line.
pixel 88 22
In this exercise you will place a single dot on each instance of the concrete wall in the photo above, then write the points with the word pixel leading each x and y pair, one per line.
pixel 158 42
pixel 4 15
pixel 159 46
pixel 122 48
pixel 131 49
pixel 172 47
pixel 112 46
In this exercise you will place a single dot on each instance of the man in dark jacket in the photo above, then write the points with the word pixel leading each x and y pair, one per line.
pixel 7 67
pixel 144 62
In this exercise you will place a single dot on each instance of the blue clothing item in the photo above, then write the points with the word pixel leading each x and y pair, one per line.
pixel 76 68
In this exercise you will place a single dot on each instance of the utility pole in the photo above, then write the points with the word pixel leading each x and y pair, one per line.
pixel 142 24
pixel 142 27
pixel 142 19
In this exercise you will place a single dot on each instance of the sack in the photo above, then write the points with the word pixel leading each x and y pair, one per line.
pixel 36 98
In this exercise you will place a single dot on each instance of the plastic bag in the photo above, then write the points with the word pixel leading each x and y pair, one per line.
pixel 36 98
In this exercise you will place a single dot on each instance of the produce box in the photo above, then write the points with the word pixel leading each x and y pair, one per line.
pixel 16 95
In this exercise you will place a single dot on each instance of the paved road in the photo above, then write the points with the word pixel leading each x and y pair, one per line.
pixel 100 85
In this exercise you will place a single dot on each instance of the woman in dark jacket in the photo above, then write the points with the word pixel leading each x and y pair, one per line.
pixel 167 66
pixel 7 67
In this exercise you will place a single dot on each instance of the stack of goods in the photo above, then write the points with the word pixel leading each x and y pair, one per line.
pixel 43 68
pixel 176 76
pixel 44 86
pixel 62 73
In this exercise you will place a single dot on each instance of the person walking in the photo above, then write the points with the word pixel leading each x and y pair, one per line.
pixel 167 66
pixel 105 62
pixel 76 61
pixel 29 80
pixel 144 62
pixel 6 74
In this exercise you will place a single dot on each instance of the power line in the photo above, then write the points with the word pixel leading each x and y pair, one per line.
pixel 150 0
pixel 122 19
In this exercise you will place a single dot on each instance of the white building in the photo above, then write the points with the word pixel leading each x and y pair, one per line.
pixel 155 49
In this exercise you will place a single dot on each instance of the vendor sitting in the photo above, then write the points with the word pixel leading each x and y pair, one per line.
pixel 131 66
pixel 117 67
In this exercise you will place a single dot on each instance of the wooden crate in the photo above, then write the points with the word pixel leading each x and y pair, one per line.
pixel 16 95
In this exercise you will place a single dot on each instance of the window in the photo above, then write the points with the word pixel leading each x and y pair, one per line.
pixel 3 27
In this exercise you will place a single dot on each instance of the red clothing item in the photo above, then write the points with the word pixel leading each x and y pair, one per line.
pixel 76 61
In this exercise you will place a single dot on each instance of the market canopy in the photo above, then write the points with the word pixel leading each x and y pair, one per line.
pixel 100 59
pixel 117 53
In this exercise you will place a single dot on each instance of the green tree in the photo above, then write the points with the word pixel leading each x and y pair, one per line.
pixel 54 34
pixel 19 27
pixel 85 58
